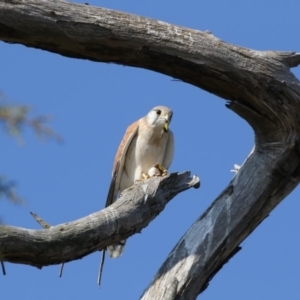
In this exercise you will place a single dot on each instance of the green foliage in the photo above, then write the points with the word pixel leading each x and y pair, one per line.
pixel 14 119
pixel 7 190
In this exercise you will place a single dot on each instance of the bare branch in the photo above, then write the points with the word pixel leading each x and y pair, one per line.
pixel 98 34
pixel 135 209
pixel 215 237
pixel 259 87
pixel 43 223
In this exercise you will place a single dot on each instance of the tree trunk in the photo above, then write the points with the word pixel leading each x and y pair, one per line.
pixel 258 84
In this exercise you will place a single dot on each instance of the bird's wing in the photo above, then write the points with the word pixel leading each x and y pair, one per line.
pixel 169 151
pixel 114 187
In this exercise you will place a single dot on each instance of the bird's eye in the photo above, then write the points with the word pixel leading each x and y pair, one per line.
pixel 158 111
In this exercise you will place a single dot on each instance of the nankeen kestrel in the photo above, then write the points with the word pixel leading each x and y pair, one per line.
pixel 146 150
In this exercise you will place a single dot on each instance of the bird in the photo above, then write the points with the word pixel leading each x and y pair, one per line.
pixel 146 150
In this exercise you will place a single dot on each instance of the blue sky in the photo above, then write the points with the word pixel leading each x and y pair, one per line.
pixel 91 105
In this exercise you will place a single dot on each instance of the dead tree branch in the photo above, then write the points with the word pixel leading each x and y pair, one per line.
pixel 259 87
pixel 135 209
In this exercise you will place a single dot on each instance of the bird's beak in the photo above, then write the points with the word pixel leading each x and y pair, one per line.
pixel 168 118
pixel 166 126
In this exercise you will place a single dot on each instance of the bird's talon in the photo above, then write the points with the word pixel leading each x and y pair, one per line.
pixel 154 175
pixel 164 173
pixel 161 168
pixel 145 176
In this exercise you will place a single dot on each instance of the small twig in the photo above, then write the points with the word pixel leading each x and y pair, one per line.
pixel 40 221
pixel 61 269
pixel 101 267
pixel 3 268
pixel 46 226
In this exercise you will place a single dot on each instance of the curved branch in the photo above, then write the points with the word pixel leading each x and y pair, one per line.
pixel 259 87
pixel 135 209
pixel 98 34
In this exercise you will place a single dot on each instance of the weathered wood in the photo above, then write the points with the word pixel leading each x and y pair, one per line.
pixel 135 209
pixel 259 87
pixel 98 34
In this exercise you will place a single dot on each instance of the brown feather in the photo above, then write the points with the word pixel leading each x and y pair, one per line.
pixel 131 129
pixel 110 196
pixel 114 187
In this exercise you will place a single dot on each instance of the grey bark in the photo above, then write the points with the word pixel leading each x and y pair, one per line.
pixel 134 210
pixel 257 84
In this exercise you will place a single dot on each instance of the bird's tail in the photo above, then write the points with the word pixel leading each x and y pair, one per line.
pixel 116 249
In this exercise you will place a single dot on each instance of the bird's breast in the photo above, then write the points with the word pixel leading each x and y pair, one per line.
pixel 150 150
pixel 145 151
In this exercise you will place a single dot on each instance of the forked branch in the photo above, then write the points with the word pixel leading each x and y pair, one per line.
pixel 258 85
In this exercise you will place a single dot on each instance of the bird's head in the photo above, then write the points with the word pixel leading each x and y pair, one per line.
pixel 160 117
